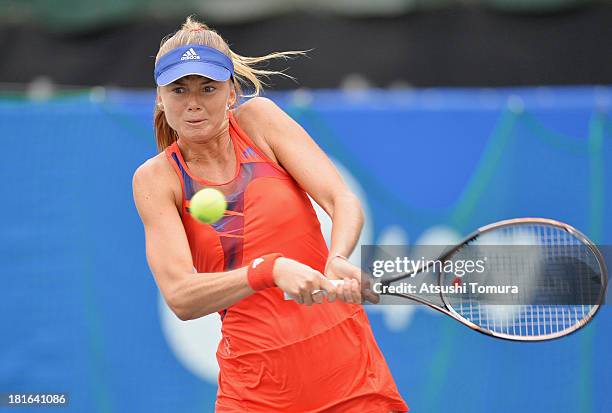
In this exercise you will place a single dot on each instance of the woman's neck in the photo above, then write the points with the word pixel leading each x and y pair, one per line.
pixel 216 150
pixel 213 160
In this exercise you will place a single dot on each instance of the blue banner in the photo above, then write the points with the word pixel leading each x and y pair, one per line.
pixel 81 314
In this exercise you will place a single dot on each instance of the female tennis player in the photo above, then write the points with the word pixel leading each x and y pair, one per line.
pixel 275 355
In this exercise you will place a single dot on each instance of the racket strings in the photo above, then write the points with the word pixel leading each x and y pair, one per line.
pixel 557 271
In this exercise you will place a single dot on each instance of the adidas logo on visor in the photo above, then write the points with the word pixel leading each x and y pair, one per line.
pixel 190 55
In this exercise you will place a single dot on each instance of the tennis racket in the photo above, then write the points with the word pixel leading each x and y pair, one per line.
pixel 561 273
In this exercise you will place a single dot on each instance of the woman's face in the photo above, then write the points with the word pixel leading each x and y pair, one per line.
pixel 195 106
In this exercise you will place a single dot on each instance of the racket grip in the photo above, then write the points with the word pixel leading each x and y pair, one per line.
pixel 336 283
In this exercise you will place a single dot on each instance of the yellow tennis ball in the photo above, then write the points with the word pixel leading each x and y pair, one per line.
pixel 208 205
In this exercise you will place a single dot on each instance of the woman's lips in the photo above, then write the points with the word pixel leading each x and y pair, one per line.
pixel 196 122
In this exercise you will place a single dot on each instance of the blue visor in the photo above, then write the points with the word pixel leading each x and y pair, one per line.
pixel 193 59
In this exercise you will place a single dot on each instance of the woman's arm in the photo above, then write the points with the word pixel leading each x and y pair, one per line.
pixel 297 152
pixel 192 295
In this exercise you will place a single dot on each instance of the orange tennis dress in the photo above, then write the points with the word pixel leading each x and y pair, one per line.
pixel 277 355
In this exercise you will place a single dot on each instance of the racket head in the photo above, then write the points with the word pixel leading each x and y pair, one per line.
pixel 572 256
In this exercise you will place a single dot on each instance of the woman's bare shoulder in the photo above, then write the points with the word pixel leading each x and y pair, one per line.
pixel 153 168
pixel 258 109
pixel 254 117
pixel 157 172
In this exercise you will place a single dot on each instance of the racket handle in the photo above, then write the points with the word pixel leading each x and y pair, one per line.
pixel 336 283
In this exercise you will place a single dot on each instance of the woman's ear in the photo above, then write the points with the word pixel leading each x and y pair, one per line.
pixel 232 96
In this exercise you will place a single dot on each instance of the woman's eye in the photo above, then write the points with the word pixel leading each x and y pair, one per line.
pixel 209 89
pixel 179 90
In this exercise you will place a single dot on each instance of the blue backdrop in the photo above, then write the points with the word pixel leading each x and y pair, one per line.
pixel 80 312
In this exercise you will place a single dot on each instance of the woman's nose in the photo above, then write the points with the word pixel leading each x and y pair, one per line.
pixel 193 103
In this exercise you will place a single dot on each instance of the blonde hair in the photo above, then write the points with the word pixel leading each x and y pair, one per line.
pixel 245 72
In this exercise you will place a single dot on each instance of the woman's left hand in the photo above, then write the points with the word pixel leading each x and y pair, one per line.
pixel 354 285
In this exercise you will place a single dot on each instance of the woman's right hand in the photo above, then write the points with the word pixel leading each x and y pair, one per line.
pixel 299 281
